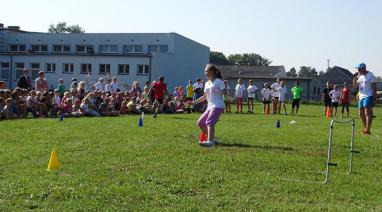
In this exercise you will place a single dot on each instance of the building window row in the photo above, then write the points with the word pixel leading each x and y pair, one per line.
pixel 68 68
pixel 88 49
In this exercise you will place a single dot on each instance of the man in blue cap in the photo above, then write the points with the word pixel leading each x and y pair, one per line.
pixel 367 94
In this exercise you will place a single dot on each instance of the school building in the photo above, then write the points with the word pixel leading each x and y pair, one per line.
pixel 89 56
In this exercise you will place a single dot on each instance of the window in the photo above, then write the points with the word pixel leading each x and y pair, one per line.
pixel 17 48
pixel 50 67
pixel 108 49
pixel 133 49
pixel 86 68
pixel 4 71
pixel 158 48
pixel 19 69
pixel 104 69
pixel 61 48
pixel 143 69
pixel 39 48
pixel 35 68
pixel 123 69
pixel 68 68
pixel 85 49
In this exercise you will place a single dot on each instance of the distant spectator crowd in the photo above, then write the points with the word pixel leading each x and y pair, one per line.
pixel 105 98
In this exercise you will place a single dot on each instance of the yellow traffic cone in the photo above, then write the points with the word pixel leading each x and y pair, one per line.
pixel 54 163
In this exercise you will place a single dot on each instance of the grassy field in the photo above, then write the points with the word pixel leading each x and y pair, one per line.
pixel 111 164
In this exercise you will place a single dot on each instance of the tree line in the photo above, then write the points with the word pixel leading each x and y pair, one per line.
pixel 254 59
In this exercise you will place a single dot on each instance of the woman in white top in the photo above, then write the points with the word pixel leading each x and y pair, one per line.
pixel 213 93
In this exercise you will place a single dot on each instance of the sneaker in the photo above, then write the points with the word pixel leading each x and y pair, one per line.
pixel 207 144
pixel 215 141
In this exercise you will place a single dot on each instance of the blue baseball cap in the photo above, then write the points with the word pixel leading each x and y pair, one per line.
pixel 361 65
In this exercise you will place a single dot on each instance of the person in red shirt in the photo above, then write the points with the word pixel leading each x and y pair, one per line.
pixel 345 99
pixel 160 88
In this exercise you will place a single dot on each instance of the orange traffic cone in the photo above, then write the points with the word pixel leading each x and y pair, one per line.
pixel 329 113
pixel 203 137
pixel 267 109
pixel 54 163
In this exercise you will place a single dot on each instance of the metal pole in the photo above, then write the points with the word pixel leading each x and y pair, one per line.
pixel 352 151
pixel 328 164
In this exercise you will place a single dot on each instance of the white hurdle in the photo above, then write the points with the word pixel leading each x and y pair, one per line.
pixel 352 151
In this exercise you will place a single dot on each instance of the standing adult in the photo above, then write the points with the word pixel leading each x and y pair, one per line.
pixel 24 80
pixel 326 100
pixel 160 88
pixel 189 91
pixel 114 86
pixel 275 87
pixel 41 84
pixel 99 86
pixel 345 99
pixel 296 92
pixel 367 93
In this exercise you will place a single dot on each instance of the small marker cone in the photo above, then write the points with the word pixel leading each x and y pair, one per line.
pixel 140 123
pixel 278 123
pixel 203 137
pixel 54 163
pixel 329 113
pixel 62 116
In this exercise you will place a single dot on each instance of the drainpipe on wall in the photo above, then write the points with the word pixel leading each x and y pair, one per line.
pixel 10 71
pixel 150 70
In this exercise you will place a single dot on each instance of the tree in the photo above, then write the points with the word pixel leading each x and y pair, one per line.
pixel 292 72
pixel 62 27
pixel 378 79
pixel 218 58
pixel 248 59
pixel 307 71
pixel 320 73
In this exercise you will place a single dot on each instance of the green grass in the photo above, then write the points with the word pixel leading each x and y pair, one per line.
pixel 111 164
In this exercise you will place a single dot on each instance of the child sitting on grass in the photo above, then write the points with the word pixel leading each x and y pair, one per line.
pixel 2 105
pixel 32 105
pixel 7 110
pixel 87 108
pixel 56 103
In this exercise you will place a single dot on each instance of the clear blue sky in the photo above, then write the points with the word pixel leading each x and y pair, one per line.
pixel 289 32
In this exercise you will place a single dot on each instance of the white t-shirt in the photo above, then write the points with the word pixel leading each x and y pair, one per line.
pixel 251 91
pixel 239 91
pixel 266 94
pixel 57 100
pixel 197 85
pixel 107 87
pixel 283 93
pixel 84 107
pixel 364 82
pixel 335 95
pixel 99 86
pixel 114 86
pixel 213 91
pixel 276 89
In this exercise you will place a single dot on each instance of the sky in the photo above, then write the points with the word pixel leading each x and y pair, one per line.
pixel 292 33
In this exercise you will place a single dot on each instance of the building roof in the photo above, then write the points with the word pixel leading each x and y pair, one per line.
pixel 244 71
pixel 337 75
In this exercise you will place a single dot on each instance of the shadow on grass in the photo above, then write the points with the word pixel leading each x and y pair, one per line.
pixel 264 147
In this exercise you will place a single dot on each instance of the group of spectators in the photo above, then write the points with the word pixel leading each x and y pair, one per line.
pixel 100 99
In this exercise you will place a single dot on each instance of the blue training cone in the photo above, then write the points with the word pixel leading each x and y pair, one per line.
pixel 62 116
pixel 140 123
pixel 278 123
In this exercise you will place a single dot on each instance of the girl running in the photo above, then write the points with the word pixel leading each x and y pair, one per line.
pixel 213 93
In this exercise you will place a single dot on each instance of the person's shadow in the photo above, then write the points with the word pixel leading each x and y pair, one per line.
pixel 264 147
